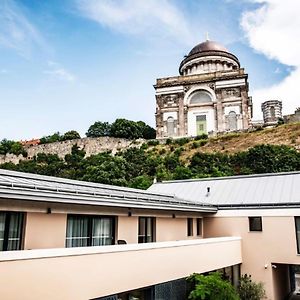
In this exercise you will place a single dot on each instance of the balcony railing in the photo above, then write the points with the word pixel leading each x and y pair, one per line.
pixel 91 272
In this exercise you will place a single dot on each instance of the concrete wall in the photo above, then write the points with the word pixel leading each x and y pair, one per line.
pixel 90 272
pixel 45 230
pixel 90 145
pixel 275 244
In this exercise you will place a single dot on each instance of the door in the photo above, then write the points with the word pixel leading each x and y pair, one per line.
pixel 201 124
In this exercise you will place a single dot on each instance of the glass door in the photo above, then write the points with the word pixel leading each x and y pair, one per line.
pixel 201 124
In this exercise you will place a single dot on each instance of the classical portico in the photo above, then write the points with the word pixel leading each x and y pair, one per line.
pixel 209 96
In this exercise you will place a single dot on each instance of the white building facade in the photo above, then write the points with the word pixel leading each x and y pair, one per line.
pixel 209 96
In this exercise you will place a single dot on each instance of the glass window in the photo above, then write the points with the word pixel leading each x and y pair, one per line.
pixel 11 228
pixel 199 226
pixel 200 97
pixel 297 223
pixel 190 227
pixel 255 224
pixel 146 230
pixel 83 231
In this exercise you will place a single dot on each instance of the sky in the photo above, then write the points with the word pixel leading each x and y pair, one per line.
pixel 65 64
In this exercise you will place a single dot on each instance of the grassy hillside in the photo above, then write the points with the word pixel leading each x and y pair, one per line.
pixel 263 151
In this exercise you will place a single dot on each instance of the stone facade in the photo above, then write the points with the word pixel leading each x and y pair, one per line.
pixel 209 96
pixel 90 145
pixel 272 112
pixel 294 118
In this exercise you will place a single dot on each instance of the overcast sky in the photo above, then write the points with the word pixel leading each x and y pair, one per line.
pixel 65 64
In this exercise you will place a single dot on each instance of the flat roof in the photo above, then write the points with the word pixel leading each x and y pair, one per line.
pixel 258 190
pixel 32 187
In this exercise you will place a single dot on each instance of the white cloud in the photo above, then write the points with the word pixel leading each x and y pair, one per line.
pixel 58 72
pixel 16 31
pixel 149 18
pixel 274 29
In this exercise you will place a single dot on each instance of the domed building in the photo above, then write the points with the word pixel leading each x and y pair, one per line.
pixel 209 96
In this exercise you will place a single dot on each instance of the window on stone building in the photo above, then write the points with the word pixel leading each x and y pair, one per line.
pixel 272 111
pixel 170 126
pixel 11 228
pixel 200 97
pixel 232 121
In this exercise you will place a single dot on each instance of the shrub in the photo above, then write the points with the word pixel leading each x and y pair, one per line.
pixel 249 290
pixel 181 141
pixel 169 141
pixel 203 136
pixel 211 287
pixel 153 143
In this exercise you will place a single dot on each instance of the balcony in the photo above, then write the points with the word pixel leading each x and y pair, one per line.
pixel 91 272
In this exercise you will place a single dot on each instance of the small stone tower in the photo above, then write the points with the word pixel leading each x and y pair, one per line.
pixel 272 111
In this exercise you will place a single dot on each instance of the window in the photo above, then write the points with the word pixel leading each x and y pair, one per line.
pixel 200 97
pixel 190 227
pixel 255 224
pixel 297 223
pixel 232 121
pixel 85 231
pixel 272 111
pixel 146 230
pixel 11 228
pixel 170 126
pixel 199 226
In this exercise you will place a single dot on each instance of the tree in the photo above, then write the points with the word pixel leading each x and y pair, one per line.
pixel 71 135
pixel 249 290
pixel 99 129
pixel 55 137
pixel 211 287
pixel 126 129
pixel 147 132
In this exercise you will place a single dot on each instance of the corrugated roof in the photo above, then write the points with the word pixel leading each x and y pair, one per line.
pixel 276 189
pixel 32 187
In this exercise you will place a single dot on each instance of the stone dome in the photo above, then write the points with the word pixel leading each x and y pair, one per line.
pixel 207 57
pixel 208 46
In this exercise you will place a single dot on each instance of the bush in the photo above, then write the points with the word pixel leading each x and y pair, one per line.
pixel 99 129
pixel 71 135
pixel 181 141
pixel 169 141
pixel 249 290
pixel 7 146
pixel 153 143
pixel 211 287
pixel 203 136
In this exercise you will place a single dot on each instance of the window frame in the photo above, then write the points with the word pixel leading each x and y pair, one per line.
pixel 90 228
pixel 190 227
pixel 296 233
pixel 7 221
pixel 251 229
pixel 140 236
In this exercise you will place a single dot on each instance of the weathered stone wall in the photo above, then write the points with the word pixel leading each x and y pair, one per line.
pixel 89 145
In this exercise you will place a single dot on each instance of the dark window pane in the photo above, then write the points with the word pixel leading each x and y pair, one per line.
pixel 199 227
pixel 15 231
pixel 11 227
pixel 255 224
pixel 2 229
pixel 85 231
pixel 190 227
pixel 146 230
pixel 297 222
